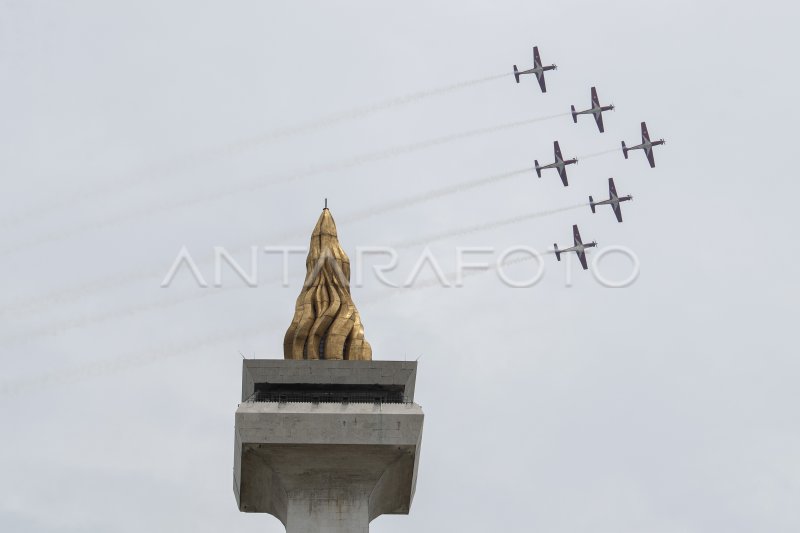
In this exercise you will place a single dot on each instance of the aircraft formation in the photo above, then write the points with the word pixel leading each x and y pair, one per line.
pixel 560 164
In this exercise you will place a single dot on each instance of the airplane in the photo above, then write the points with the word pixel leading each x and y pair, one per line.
pixel 559 164
pixel 537 69
pixel 579 247
pixel 596 110
pixel 647 146
pixel 613 200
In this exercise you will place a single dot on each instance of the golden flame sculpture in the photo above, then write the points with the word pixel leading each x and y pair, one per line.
pixel 326 324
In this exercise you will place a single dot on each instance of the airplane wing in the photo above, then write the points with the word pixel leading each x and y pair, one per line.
pixel 595 100
pixel 612 190
pixel 645 135
pixel 537 61
pixel 557 151
pixel 598 117
pixel 562 172
pixel 576 235
pixel 650 158
pixel 582 257
pixel 542 84
pixel 617 211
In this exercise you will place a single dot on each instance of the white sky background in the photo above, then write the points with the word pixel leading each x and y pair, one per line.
pixel 666 407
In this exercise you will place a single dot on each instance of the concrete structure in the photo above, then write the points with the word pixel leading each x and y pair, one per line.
pixel 327 445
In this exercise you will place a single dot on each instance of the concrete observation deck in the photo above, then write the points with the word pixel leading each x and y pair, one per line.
pixel 327 445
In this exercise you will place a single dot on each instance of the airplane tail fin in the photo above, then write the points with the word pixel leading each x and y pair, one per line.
pixel 538 168
pixel 558 252
pixel 591 203
pixel 516 74
pixel 574 115
pixel 624 150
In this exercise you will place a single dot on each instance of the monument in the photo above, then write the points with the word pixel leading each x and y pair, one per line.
pixel 326 439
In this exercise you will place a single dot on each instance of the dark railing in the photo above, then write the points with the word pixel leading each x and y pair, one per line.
pixel 341 397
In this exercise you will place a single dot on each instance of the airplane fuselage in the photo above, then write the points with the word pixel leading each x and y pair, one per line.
pixel 559 164
pixel 610 201
pixel 614 200
pixel 647 145
pixel 537 70
pixel 580 248
pixel 595 110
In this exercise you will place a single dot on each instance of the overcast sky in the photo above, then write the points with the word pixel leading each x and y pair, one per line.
pixel 131 129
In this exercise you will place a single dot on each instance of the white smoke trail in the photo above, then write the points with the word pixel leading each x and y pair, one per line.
pixel 361 112
pixel 114 282
pixel 436 282
pixel 163 171
pixel 264 182
pixel 410 148
pixel 434 194
pixel 93 320
pixel 127 312
pixel 84 290
pixel 598 154
pixel 105 367
pixel 487 226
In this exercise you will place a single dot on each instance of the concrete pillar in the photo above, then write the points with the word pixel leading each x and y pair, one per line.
pixel 330 510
